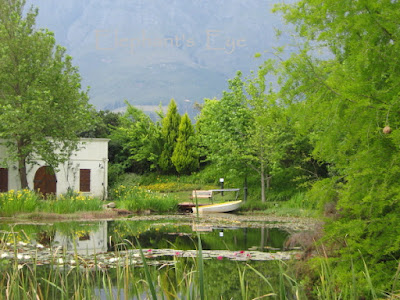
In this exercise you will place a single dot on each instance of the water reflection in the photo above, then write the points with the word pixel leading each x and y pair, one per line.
pixel 110 240
pixel 84 242
pixel 213 237
pixel 92 251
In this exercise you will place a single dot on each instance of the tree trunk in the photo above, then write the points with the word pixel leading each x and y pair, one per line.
pixel 262 185
pixel 22 174
pixel 268 181
pixel 22 167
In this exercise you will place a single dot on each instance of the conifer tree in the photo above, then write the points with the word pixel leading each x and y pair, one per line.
pixel 185 157
pixel 169 133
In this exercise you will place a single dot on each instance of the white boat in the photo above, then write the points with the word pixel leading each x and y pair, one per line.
pixel 218 207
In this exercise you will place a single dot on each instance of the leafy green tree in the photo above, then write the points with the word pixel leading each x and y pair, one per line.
pixel 224 130
pixel 169 133
pixel 185 157
pixel 223 126
pixel 269 134
pixel 139 139
pixel 42 107
pixel 348 96
pixel 105 122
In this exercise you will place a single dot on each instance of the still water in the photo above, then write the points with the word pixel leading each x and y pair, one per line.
pixel 166 242
pixel 152 234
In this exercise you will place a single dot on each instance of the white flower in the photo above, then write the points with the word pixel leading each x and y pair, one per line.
pixel 20 267
pixel 39 246
pixel 22 243
pixel 4 255
pixel 27 256
pixel 20 256
pixel 60 261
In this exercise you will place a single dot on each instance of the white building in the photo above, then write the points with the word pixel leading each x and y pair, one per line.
pixel 85 172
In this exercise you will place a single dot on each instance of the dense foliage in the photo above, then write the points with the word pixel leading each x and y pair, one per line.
pixel 345 80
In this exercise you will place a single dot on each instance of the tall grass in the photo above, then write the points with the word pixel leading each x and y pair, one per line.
pixel 72 203
pixel 26 201
pixel 298 205
pixel 18 201
pixel 139 199
pixel 185 279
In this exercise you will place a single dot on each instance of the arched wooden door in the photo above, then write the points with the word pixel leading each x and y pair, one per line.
pixel 45 181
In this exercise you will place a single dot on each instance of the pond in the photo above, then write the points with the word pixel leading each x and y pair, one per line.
pixel 164 243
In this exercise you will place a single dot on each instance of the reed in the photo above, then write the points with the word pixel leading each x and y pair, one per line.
pixel 185 278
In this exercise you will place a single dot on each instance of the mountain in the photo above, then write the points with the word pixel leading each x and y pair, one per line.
pixel 149 51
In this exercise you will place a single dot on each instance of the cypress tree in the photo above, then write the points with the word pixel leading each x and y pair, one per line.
pixel 185 157
pixel 169 132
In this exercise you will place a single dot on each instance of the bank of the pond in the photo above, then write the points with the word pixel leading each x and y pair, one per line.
pixel 54 217
pixel 293 222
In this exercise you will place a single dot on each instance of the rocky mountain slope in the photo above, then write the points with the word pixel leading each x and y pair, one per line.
pixel 149 51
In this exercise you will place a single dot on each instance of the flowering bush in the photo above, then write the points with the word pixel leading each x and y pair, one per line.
pixel 26 201
pixel 12 202
pixel 73 202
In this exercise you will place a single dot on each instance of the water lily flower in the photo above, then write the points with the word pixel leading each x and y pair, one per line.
pixel 241 251
pixel 220 257
pixel 177 253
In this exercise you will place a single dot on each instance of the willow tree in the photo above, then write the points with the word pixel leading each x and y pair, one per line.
pixel 42 107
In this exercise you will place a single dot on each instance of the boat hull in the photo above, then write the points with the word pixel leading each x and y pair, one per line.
pixel 219 207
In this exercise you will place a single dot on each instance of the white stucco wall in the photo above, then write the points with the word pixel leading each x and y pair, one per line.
pixel 92 154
